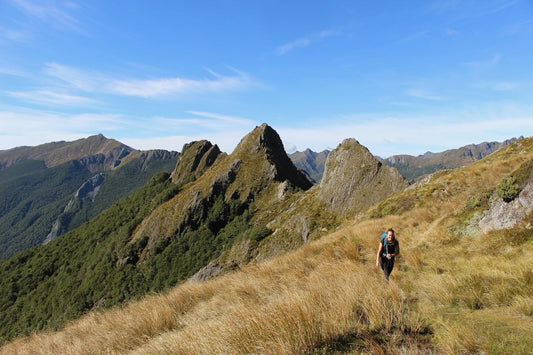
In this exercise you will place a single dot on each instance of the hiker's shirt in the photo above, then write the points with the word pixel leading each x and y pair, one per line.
pixel 389 248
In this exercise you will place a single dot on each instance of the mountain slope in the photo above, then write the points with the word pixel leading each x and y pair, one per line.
pixel 41 199
pixel 151 240
pixel 454 289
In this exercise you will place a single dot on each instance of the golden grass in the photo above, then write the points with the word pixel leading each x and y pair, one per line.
pixel 448 293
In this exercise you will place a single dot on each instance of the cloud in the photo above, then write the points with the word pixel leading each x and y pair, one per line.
pixel 223 118
pixel 305 41
pixel 414 37
pixel 500 86
pixel 451 32
pixel 177 86
pixel 486 64
pixel 93 81
pixel 55 13
pixel 14 35
pixel 33 127
pixel 424 94
pixel 84 80
pixel 48 97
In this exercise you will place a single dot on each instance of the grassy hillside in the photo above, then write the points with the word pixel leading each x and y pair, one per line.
pixel 454 289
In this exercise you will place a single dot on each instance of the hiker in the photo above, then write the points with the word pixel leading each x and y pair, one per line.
pixel 388 249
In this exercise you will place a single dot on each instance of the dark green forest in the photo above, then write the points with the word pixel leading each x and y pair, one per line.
pixel 97 264
pixel 33 197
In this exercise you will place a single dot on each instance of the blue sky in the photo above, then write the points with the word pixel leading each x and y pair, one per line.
pixel 401 77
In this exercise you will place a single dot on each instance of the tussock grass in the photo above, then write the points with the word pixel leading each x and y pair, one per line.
pixel 449 293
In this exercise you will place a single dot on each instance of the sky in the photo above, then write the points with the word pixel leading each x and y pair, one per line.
pixel 401 77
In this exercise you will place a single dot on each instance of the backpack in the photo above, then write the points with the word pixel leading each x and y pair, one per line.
pixel 384 242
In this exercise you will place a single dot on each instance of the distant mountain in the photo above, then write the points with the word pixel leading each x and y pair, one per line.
pixel 95 152
pixel 310 162
pixel 412 167
pixel 50 189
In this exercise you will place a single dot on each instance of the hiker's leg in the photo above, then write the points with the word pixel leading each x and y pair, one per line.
pixel 388 268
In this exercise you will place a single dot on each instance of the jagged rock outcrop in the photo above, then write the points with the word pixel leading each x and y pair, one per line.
pixel 195 158
pixel 354 180
pixel 257 169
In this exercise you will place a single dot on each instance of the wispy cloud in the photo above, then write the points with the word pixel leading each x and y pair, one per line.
pixel 222 118
pixel 92 81
pixel 11 35
pixel 485 64
pixel 176 86
pixel 33 127
pixel 500 85
pixel 424 94
pixel 451 32
pixel 49 97
pixel 305 41
pixel 414 37
pixel 58 14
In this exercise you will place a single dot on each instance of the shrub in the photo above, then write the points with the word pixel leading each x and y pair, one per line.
pixel 508 189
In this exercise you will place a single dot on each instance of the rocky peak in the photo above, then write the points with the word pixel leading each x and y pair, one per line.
pixel 355 180
pixel 264 146
pixel 195 158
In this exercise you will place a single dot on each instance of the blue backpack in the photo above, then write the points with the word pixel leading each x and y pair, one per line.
pixel 384 242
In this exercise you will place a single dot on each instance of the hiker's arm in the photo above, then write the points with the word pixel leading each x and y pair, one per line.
pixel 397 250
pixel 379 252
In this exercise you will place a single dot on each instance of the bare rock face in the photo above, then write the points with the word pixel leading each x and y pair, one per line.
pixel 354 180
pixel 503 214
pixel 264 146
pixel 195 158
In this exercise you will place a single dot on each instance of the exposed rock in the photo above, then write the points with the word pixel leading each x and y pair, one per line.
pixel 195 158
pixel 507 214
pixel 90 188
pixel 354 180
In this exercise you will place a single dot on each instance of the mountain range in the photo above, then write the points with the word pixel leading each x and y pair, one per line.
pixel 411 167
pixel 210 214
pixel 50 189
